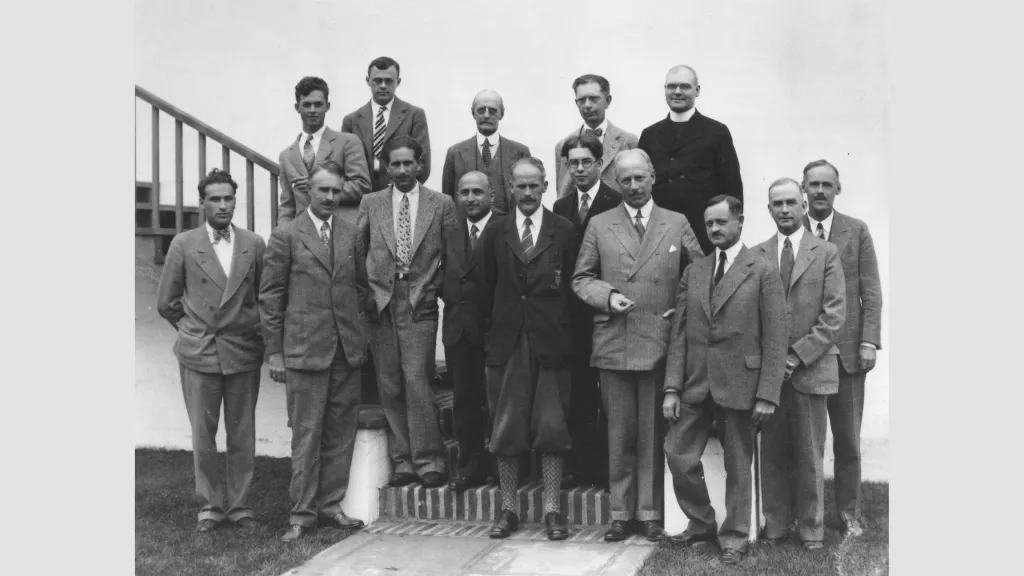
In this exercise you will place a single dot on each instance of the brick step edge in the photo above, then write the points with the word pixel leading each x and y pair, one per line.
pixel 583 506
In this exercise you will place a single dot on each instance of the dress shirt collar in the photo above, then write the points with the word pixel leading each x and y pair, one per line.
pixel 794 238
pixel 592 192
pixel 210 230
pixel 682 116
pixel 535 220
pixel 480 225
pixel 730 253
pixel 317 223
pixel 645 211
pixel 316 137
pixel 603 128
pixel 375 108
pixel 493 139
pixel 826 224
pixel 396 194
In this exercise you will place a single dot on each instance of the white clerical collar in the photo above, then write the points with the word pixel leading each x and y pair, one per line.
pixel 682 116
pixel 317 222
pixel 730 253
pixel 645 210
pixel 794 238
pixel 480 224
pixel 493 139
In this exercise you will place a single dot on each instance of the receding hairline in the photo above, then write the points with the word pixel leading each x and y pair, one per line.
pixel 783 181
pixel 680 67
pixel 475 174
pixel 488 92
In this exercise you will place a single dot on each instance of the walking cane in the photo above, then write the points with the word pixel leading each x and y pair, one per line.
pixel 757 480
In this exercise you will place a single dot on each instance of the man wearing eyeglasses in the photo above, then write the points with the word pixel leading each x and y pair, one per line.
pixel 384 117
pixel 593 97
pixel 693 155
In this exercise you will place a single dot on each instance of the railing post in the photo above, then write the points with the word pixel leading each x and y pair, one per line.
pixel 156 169
pixel 250 196
pixel 273 200
pixel 179 176
pixel 225 158
pixel 202 171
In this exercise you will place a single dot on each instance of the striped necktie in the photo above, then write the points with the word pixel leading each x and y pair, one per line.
pixel 378 133
pixel 308 154
pixel 639 225
pixel 584 207
pixel 527 238
pixel 821 231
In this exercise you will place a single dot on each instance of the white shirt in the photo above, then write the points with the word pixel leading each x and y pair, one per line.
pixel 826 224
pixel 318 223
pixel 794 239
pixel 592 193
pixel 730 256
pixel 535 222
pixel 223 249
pixel 375 108
pixel 603 127
pixel 645 213
pixel 493 139
pixel 414 203
pixel 682 116
pixel 479 225
pixel 316 140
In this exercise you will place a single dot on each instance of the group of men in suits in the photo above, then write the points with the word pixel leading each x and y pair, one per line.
pixel 564 329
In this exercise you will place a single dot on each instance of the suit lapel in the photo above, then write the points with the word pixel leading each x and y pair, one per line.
pixel 468 152
pixel 425 213
pixel 512 237
pixel 703 274
pixel 623 229
pixel 840 232
pixel 384 211
pixel 655 233
pixel 771 251
pixel 311 238
pixel 735 276
pixel 207 259
pixel 612 143
pixel 326 146
pixel 398 112
pixel 545 237
pixel 803 259
pixel 297 164
pixel 340 245
pixel 365 125
pixel 241 259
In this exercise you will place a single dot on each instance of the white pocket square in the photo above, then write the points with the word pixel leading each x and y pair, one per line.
pixel 673 249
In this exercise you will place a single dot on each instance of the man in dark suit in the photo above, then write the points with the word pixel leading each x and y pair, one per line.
pixel 693 155
pixel 311 311
pixel 462 331
pixel 860 336
pixel 404 230
pixel 793 440
pixel 593 97
pixel 208 293
pixel 726 359
pixel 488 152
pixel 317 144
pixel 385 117
pixel 521 275
pixel 588 461
pixel 629 266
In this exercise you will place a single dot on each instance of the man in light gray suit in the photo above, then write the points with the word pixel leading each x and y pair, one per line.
pixel 311 297
pixel 404 229
pixel 793 440
pixel 488 152
pixel 593 97
pixel 628 269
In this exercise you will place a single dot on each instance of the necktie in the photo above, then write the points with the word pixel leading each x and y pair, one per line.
pixel 487 153
pixel 821 231
pixel 473 234
pixel 598 132
pixel 325 234
pixel 224 234
pixel 404 232
pixel 786 264
pixel 639 225
pixel 721 268
pixel 527 237
pixel 584 207
pixel 308 155
pixel 378 133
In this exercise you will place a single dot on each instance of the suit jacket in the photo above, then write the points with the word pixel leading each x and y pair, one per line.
pixel 461 314
pixel 615 139
pixel 435 218
pixel 215 314
pixel 405 120
pixel 309 304
pixel 341 148
pixel 730 343
pixel 613 258
pixel 816 308
pixel 462 158
pixel 517 292
pixel 693 162
pixel 863 288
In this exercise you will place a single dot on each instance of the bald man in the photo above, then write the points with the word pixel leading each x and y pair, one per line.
pixel 462 331
pixel 693 155
pixel 487 152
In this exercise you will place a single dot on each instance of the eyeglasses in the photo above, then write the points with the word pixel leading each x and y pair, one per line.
pixel 586 163
pixel 584 99
pixel 674 87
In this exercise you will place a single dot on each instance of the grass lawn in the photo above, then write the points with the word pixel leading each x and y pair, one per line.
pixel 165 519
pixel 863 555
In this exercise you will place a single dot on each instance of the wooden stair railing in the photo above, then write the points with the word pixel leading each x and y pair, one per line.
pixel 228 145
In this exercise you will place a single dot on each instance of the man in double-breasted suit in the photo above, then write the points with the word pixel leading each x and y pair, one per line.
pixel 208 293
pixel 726 359
pixel 860 336
pixel 521 279
pixel 628 270
pixel 593 97
pixel 311 309
pixel 404 229
pixel 462 331
pixel 488 152
pixel 317 144
pixel 385 117
pixel 693 155
pixel 588 460
pixel 793 439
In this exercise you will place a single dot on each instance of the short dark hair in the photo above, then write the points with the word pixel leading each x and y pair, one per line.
pixel 329 166
pixel 735 204
pixel 818 163
pixel 383 63
pixel 216 176
pixel 585 140
pixel 310 83
pixel 588 78
pixel 402 142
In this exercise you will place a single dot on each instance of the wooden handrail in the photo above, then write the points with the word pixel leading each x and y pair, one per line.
pixel 208 131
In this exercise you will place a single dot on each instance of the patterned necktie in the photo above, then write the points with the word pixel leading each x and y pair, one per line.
pixel 584 207
pixel 786 264
pixel 527 237
pixel 378 133
pixel 639 225
pixel 821 231
pixel 486 153
pixel 473 235
pixel 721 268
pixel 308 155
pixel 598 132
pixel 224 234
pixel 325 234
pixel 404 232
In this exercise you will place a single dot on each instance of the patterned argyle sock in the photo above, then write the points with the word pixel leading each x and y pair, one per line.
pixel 508 481
pixel 551 469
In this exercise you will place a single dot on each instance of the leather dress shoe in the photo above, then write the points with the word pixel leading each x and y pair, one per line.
pixel 689 537
pixel 434 479
pixel 247 524
pixel 813 545
pixel 618 531
pixel 463 483
pixel 206 525
pixel 852 527
pixel 506 524
pixel 295 531
pixel 652 530
pixel 341 520
pixel 557 526
pixel 731 557
pixel 402 479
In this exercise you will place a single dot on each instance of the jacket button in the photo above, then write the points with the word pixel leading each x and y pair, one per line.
pixel 523 297
pixel 203 280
